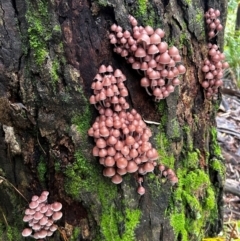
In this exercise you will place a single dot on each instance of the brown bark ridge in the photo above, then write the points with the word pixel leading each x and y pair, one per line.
pixel 50 52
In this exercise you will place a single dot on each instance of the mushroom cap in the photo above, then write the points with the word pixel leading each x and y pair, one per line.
pixel 109 68
pixel 144 38
pixel 27 218
pixel 141 190
pixel 121 162
pixel 109 161
pixel 101 143
pixel 109 171
pixel 149 30
pixel 121 171
pixel 162 47
pixel 33 204
pixel 116 179
pixel 160 32
pixel 145 82
pixel 161 167
pixel 140 52
pixel 46 193
pixel 173 51
pixel 181 69
pixel 148 167
pixel 57 215
pixel 56 206
pixel 35 198
pixel 42 198
pixel 43 220
pixel 136 65
pixel 155 38
pixel 36 226
pixel 164 58
pixel 29 211
pixel 209 75
pixel 49 233
pixel 132 167
pixel 144 66
pixel 26 232
pixel 38 216
pixel 102 69
pixel 53 228
pixel 153 49
pixel 42 233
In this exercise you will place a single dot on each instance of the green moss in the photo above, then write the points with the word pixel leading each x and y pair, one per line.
pixel 12 234
pixel 188 136
pixel 192 159
pixel 164 149
pixel 38 32
pixel 182 39
pixel 54 70
pixel 177 221
pixel 12 225
pixel 162 109
pixel 163 144
pixel 194 195
pixel 142 7
pixel 42 170
pixel 85 175
pixel 175 129
pixel 216 150
pixel 111 221
pixel 146 13
pixel 189 2
pixel 57 166
pixel 75 234
pixel 102 3
pixel 218 166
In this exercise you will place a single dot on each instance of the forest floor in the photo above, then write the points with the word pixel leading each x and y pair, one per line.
pixel 228 127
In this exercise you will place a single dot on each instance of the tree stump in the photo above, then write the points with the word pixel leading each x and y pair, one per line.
pixel 50 52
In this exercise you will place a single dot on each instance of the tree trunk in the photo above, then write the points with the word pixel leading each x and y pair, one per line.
pixel 50 52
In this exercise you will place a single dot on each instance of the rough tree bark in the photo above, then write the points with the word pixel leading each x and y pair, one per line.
pixel 50 52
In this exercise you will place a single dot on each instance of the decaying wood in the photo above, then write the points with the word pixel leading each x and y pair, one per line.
pixel 232 186
pixel 40 96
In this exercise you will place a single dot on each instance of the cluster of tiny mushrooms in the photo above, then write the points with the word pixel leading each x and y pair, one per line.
pixel 121 136
pixel 213 65
pixel 41 217
pixel 145 51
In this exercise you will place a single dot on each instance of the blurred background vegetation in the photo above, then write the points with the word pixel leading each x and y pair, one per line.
pixel 232 41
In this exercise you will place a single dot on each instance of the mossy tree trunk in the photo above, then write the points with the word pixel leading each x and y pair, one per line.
pixel 50 52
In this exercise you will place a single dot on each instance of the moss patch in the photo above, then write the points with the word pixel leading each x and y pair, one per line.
pixel 85 176
pixel 38 32
pixel 163 144
pixel 145 12
pixel 42 170
pixel 195 196
pixel 215 148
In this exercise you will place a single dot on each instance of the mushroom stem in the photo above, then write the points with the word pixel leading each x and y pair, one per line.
pixel 147 91
pixel 151 122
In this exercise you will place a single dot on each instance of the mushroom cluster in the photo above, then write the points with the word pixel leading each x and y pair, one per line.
pixel 168 173
pixel 41 217
pixel 121 136
pixel 214 65
pixel 145 51
pixel 213 22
